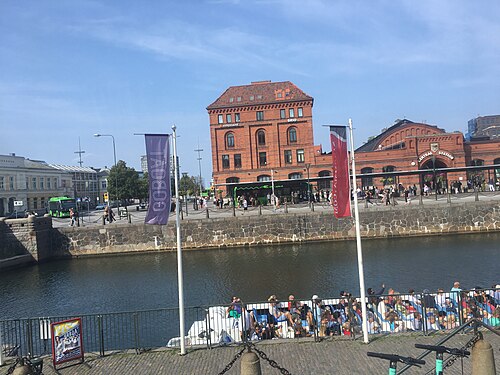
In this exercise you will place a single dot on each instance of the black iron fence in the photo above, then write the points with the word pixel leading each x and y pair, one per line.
pixel 226 324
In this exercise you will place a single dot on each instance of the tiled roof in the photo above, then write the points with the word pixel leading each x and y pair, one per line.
pixel 257 93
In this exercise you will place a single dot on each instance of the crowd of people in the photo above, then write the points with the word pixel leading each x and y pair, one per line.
pixel 387 312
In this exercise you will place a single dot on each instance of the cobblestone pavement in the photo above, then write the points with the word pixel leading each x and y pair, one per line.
pixel 332 356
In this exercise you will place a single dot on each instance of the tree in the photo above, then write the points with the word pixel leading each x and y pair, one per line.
pixel 123 182
pixel 188 185
pixel 143 188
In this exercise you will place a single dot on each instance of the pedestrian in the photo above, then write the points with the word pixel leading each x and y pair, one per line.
pixel 111 215
pixel 72 215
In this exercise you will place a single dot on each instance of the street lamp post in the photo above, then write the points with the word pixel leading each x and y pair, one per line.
pixel 114 157
pixel 199 150
pixel 434 175
pixel 308 165
pixel 273 198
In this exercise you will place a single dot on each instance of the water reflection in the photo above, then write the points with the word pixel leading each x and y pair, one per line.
pixel 145 281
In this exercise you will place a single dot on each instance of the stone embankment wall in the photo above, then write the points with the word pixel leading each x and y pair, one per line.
pixel 34 239
pixel 25 240
pixel 281 228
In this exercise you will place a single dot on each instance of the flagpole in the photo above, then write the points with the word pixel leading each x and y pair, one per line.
pixel 179 249
pixel 358 241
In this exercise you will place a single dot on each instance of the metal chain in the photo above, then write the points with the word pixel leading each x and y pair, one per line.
pixel 271 362
pixel 230 364
pixel 450 361
pixel 261 354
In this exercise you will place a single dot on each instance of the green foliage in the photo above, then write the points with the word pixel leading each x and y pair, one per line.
pixel 188 185
pixel 123 182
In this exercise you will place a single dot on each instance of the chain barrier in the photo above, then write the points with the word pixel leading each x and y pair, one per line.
pixel 450 361
pixel 263 355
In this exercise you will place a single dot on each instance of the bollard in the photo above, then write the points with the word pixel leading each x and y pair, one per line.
pixel 421 201
pixel 366 203
pixel 312 206
pixel 260 210
pixel 286 208
pixel 78 221
pixel 483 361
pixel 208 215
pixel 476 192
pixel 187 214
pixel 449 197
pixel 182 214
pixel 103 220
pixel 129 218
pixel 234 209
pixel 250 364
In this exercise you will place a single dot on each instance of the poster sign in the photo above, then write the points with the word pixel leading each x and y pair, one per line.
pixel 67 341
pixel 158 157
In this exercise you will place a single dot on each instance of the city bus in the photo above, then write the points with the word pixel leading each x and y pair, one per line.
pixel 59 206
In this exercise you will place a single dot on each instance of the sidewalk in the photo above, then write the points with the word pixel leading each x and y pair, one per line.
pixel 331 356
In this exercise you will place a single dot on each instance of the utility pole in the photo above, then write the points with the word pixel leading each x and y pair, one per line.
pixel 199 150
pixel 80 152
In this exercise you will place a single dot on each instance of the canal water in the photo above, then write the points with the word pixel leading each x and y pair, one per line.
pixel 149 280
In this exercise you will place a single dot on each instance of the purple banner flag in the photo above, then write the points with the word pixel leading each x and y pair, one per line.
pixel 158 156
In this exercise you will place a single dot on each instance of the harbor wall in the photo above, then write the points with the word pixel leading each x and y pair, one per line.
pixel 38 239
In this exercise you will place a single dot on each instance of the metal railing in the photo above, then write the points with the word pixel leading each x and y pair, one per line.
pixel 235 323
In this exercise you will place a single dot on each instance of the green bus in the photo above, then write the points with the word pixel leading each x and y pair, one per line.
pixel 59 206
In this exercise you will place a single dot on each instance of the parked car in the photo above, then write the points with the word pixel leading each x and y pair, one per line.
pixel 101 206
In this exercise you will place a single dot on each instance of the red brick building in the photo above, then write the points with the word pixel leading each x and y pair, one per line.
pixel 264 131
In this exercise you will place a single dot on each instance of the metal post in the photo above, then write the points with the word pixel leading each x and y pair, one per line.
pixel 187 214
pixel 1 346
pixel 180 278
pixel 358 243
pixel 449 197
pixel 476 192
pixel 101 335
pixel 206 209
pixel 312 206
pixel 421 199
pixel 434 176
pixel 286 207
pixel 260 210
pixel 234 208
pixel 116 175
pixel 273 198
pixel 129 216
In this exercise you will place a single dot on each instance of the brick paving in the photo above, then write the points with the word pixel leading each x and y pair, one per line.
pixel 331 356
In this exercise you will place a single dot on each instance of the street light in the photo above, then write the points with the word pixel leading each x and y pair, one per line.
pixel 434 175
pixel 308 165
pixel 114 156
pixel 273 198
pixel 199 150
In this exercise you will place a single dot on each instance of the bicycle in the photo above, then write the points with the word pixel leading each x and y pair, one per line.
pixel 394 359
pixel 440 350
pixel 33 366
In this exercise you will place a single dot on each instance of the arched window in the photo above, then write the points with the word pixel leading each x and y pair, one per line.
pixel 229 140
pixel 232 180
pixel 368 180
pixel 325 184
pixel 295 176
pixel 261 137
pixel 263 178
pixel 292 135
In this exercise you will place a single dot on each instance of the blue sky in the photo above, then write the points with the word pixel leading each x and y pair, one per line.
pixel 69 69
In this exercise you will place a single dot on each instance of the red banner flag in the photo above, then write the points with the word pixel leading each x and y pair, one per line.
pixel 341 192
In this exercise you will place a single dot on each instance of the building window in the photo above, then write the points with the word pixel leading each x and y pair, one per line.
pixel 282 113
pixel 300 156
pixel 228 118
pixel 279 95
pixel 238 99
pixel 11 182
pixel 229 140
pixel 292 135
pixel 291 113
pixel 33 183
pixel 35 203
pixel 225 161
pixel 252 97
pixel 236 117
pixel 324 184
pixel 49 183
pixel 232 180
pixel 263 178
pixel 299 112
pixel 262 159
pixel 55 182
pixel 261 137
pixel 288 156
pixel 2 186
pixel 260 115
pixel 295 176
pixel 231 100
pixel 42 183
pixel 366 180
pixel 220 119
pixel 27 183
pixel 237 160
